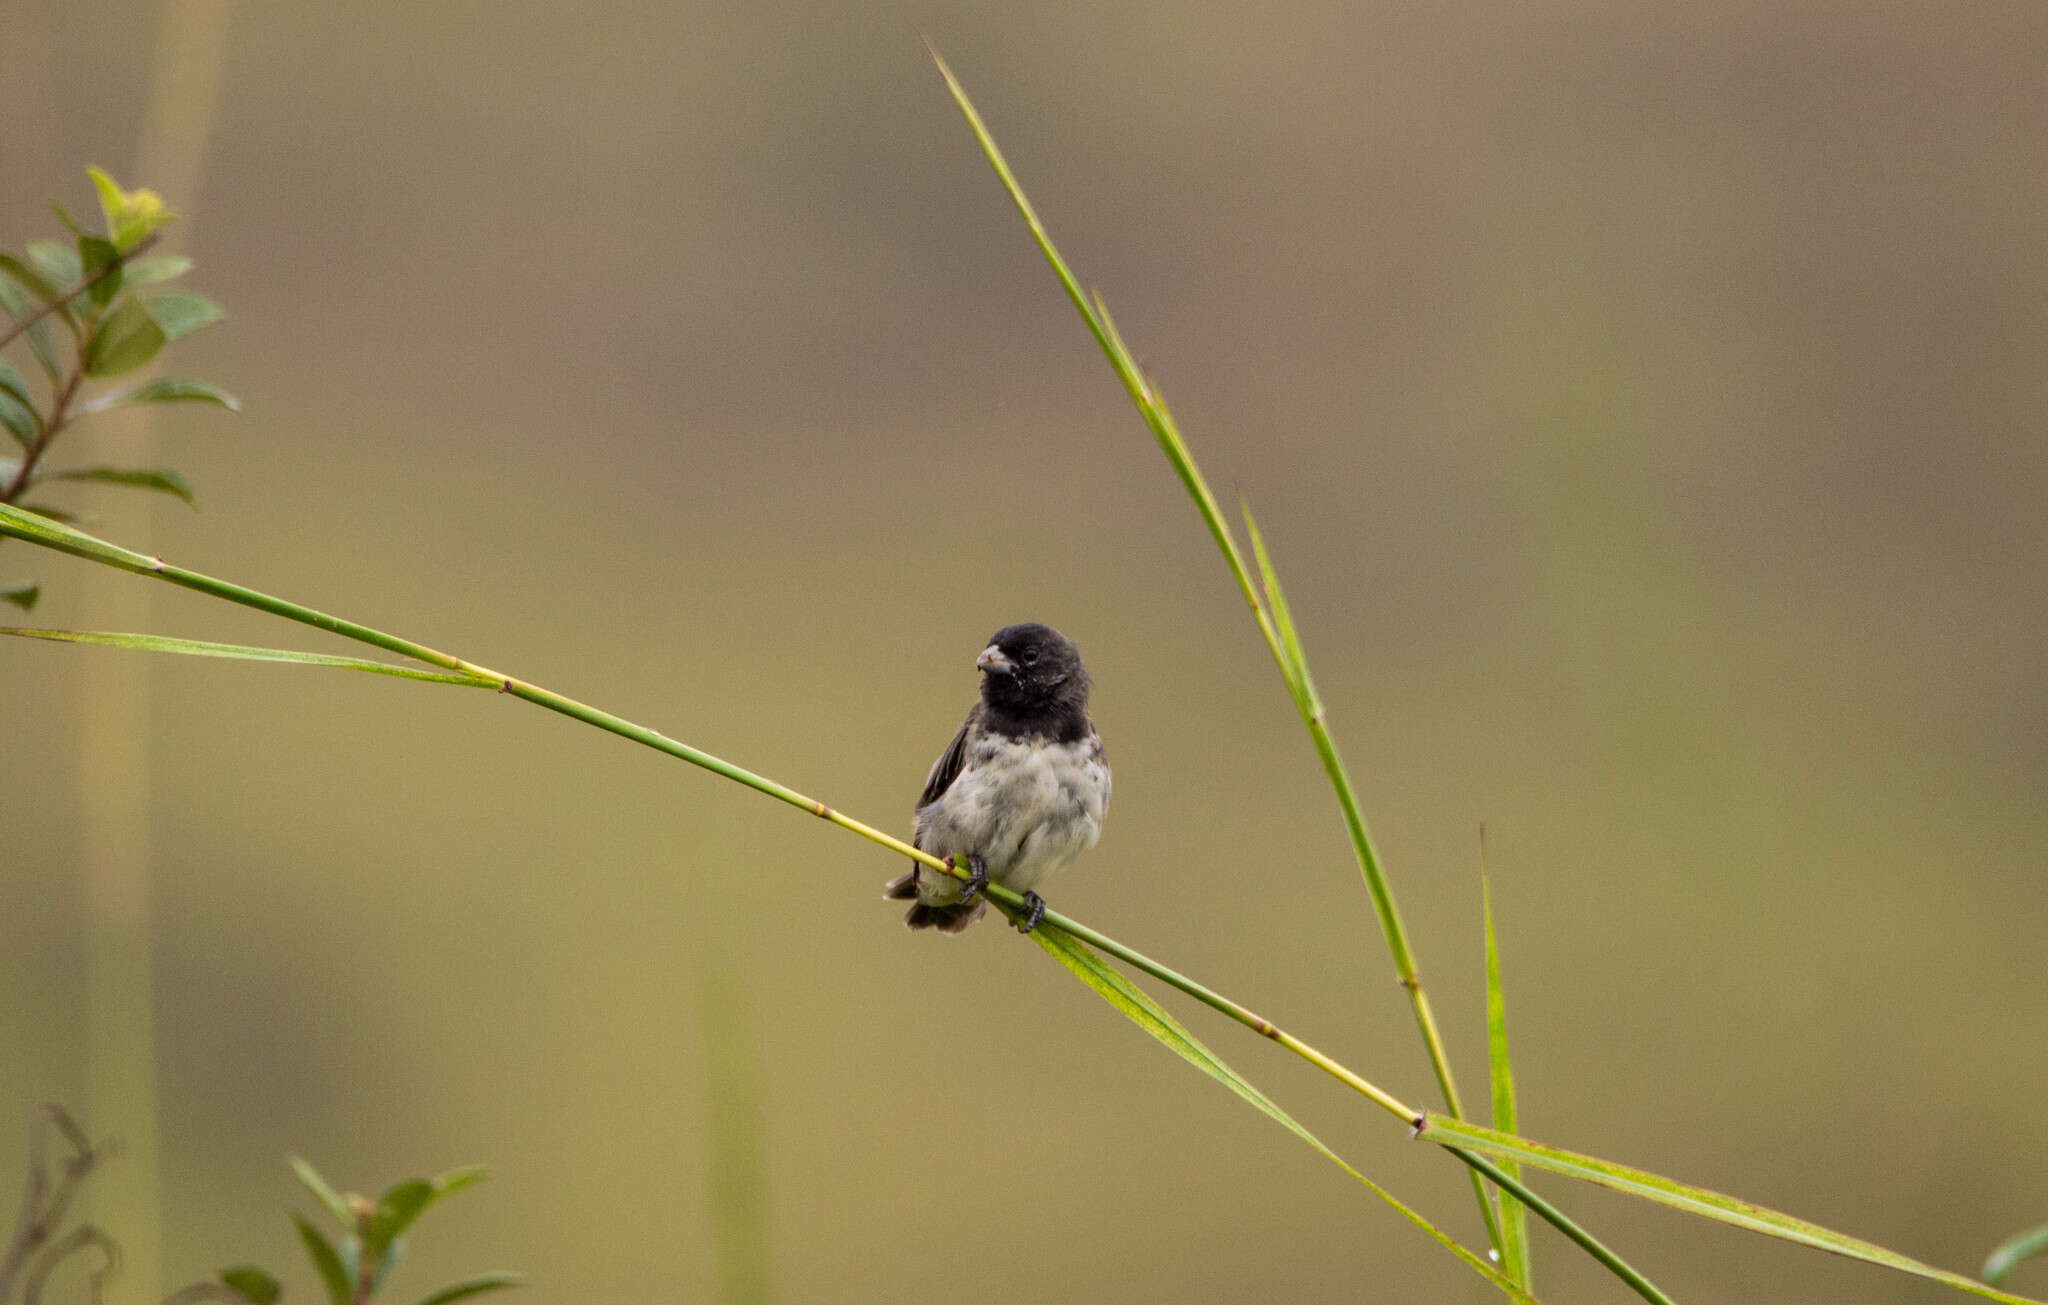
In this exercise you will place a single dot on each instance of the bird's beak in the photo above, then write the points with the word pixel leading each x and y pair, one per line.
pixel 992 659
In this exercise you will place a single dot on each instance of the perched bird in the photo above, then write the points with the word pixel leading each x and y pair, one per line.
pixel 1022 789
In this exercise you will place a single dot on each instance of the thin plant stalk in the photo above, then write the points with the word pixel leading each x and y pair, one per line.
pixel 1557 1218
pixel 1152 407
pixel 83 284
pixel 65 539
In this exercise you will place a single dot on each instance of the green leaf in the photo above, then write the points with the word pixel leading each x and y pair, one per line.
pixel 58 262
pixel 388 1261
pixel 1148 1015
pixel 14 383
pixel 130 214
pixel 21 295
pixel 2017 1249
pixel 153 268
pixel 340 1291
pixel 95 254
pixel 181 312
pixel 70 223
pixel 404 1202
pixel 165 391
pixel 22 593
pixel 476 1286
pixel 161 479
pixel 1446 1131
pixel 30 280
pixel 19 418
pixel 42 343
pixel 396 1209
pixel 1514 1218
pixel 334 1204
pixel 252 1283
pixel 456 1179
pixel 125 339
pixel 309 1177
pixel 113 203
pixel 53 513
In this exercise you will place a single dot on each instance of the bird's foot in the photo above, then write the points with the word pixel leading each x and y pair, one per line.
pixel 1034 911
pixel 977 879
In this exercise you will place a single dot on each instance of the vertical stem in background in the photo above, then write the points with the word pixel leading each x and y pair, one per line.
pixel 113 717
pixel 735 1133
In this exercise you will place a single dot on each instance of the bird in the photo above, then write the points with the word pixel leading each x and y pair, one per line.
pixel 1019 793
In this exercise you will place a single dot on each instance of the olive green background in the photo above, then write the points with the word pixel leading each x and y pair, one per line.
pixel 1644 403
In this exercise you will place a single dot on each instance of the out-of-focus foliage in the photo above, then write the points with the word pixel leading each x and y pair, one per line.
pixel 82 309
pixel 371 1237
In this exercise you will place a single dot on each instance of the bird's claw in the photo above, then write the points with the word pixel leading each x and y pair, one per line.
pixel 1034 911
pixel 977 880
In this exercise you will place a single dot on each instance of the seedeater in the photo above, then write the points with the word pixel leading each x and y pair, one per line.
pixel 1022 789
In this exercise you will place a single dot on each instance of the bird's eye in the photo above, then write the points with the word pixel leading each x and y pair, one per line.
pixel 1030 656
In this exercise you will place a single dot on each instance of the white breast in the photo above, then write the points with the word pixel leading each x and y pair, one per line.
pixel 1028 808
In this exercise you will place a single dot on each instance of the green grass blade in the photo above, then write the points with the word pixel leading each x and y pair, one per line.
pixel 1153 1018
pixel 1514 1219
pixel 2020 1247
pixel 1293 665
pixel 1693 1200
pixel 1152 407
pixel 1096 315
pixel 201 648
pixel 325 1259
pixel 39 529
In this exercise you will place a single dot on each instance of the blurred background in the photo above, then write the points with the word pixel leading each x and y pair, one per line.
pixel 1644 405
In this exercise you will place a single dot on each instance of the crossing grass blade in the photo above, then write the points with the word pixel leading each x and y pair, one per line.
pixel 1152 407
pixel 2015 1250
pixel 1693 1200
pixel 201 648
pixel 1148 1015
pixel 1514 1219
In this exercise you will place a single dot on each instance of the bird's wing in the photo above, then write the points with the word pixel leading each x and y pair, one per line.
pixel 947 768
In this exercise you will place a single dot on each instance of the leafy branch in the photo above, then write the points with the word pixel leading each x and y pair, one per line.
pixel 92 288
pixel 37 1246
pixel 372 1244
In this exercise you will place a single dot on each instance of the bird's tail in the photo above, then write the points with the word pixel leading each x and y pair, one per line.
pixel 946 919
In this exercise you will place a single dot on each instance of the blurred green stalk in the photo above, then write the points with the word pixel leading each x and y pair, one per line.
pixel 50 534
pixel 736 1135
pixel 112 765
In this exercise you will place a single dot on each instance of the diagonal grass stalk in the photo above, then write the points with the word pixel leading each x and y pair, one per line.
pixel 1270 616
pixel 1140 1009
pixel 50 534
pixel 35 529
pixel 1463 1135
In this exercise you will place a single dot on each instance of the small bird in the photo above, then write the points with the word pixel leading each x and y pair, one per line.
pixel 1022 789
